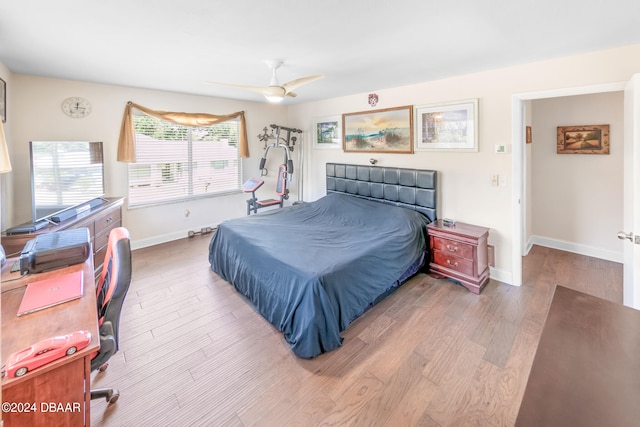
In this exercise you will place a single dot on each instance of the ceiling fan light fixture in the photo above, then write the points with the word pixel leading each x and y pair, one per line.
pixel 274 93
pixel 274 98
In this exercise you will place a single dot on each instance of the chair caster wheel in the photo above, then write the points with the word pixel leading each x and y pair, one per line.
pixel 113 397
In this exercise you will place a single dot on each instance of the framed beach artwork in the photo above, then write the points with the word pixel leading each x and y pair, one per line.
pixel 380 131
pixel 326 132
pixel 447 126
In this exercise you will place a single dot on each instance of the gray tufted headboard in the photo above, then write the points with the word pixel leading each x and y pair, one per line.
pixel 410 188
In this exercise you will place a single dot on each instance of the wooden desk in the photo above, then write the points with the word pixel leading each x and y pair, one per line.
pixel 586 371
pixel 61 389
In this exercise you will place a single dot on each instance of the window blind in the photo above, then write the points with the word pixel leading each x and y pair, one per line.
pixel 176 162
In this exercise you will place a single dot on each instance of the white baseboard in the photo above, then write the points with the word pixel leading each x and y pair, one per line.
pixel 165 238
pixel 501 275
pixel 575 248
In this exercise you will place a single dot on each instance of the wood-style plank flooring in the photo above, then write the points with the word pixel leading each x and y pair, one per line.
pixel 193 352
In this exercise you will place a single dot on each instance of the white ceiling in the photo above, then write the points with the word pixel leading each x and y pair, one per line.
pixel 360 46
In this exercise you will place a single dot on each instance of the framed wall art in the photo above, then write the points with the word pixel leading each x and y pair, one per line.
pixel 380 131
pixel 590 139
pixel 447 126
pixel 3 100
pixel 326 132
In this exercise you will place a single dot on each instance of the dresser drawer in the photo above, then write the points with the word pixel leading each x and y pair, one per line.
pixel 107 221
pixel 456 263
pixel 98 259
pixel 101 240
pixel 453 247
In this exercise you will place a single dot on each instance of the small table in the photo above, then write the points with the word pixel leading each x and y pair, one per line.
pixel 460 252
pixel 586 371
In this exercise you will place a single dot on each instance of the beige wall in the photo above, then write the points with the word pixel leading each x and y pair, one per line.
pixel 36 115
pixel 577 198
pixel 527 176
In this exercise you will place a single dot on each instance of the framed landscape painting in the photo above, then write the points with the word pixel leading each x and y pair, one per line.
pixel 447 126
pixel 591 139
pixel 381 131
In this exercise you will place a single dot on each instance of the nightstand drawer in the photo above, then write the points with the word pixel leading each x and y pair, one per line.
pixel 453 247
pixel 452 262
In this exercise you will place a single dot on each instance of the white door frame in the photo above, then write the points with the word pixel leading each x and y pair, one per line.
pixel 518 164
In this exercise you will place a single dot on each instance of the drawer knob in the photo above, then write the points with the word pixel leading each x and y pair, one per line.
pixel 452 248
pixel 109 219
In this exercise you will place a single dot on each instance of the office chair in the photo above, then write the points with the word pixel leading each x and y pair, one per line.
pixel 111 290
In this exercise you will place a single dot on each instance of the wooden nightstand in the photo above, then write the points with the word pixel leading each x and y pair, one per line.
pixel 460 252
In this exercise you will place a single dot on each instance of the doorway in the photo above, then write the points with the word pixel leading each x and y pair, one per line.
pixel 519 162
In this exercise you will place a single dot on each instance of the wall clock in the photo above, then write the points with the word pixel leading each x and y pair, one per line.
pixel 76 107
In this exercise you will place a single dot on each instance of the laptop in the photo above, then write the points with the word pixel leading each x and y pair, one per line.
pixel 50 292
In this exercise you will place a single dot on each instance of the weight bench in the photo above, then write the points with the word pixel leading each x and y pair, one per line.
pixel 253 204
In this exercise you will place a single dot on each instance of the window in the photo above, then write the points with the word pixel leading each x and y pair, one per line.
pixel 176 162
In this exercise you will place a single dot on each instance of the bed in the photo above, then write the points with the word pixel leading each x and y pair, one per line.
pixel 313 268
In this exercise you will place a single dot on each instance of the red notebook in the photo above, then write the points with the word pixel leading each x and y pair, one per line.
pixel 52 291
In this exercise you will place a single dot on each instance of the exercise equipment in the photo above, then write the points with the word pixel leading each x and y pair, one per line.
pixel 253 184
pixel 282 138
pixel 287 143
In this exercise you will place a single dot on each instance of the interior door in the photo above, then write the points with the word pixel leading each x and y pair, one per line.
pixel 631 232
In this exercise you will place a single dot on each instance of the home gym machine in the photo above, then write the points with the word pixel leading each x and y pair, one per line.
pixel 286 142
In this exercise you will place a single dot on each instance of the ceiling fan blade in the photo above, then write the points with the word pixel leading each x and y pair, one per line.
pixel 292 94
pixel 263 90
pixel 296 83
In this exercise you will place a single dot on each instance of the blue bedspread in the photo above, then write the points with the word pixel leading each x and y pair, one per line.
pixel 313 268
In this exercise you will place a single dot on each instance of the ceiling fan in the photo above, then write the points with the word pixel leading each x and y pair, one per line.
pixel 275 92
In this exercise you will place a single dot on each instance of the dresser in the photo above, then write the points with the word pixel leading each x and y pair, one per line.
pixel 460 252
pixel 100 220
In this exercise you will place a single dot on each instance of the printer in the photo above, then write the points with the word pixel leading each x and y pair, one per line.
pixel 55 250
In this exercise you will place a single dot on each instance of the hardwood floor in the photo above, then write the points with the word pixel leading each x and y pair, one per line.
pixel 193 352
